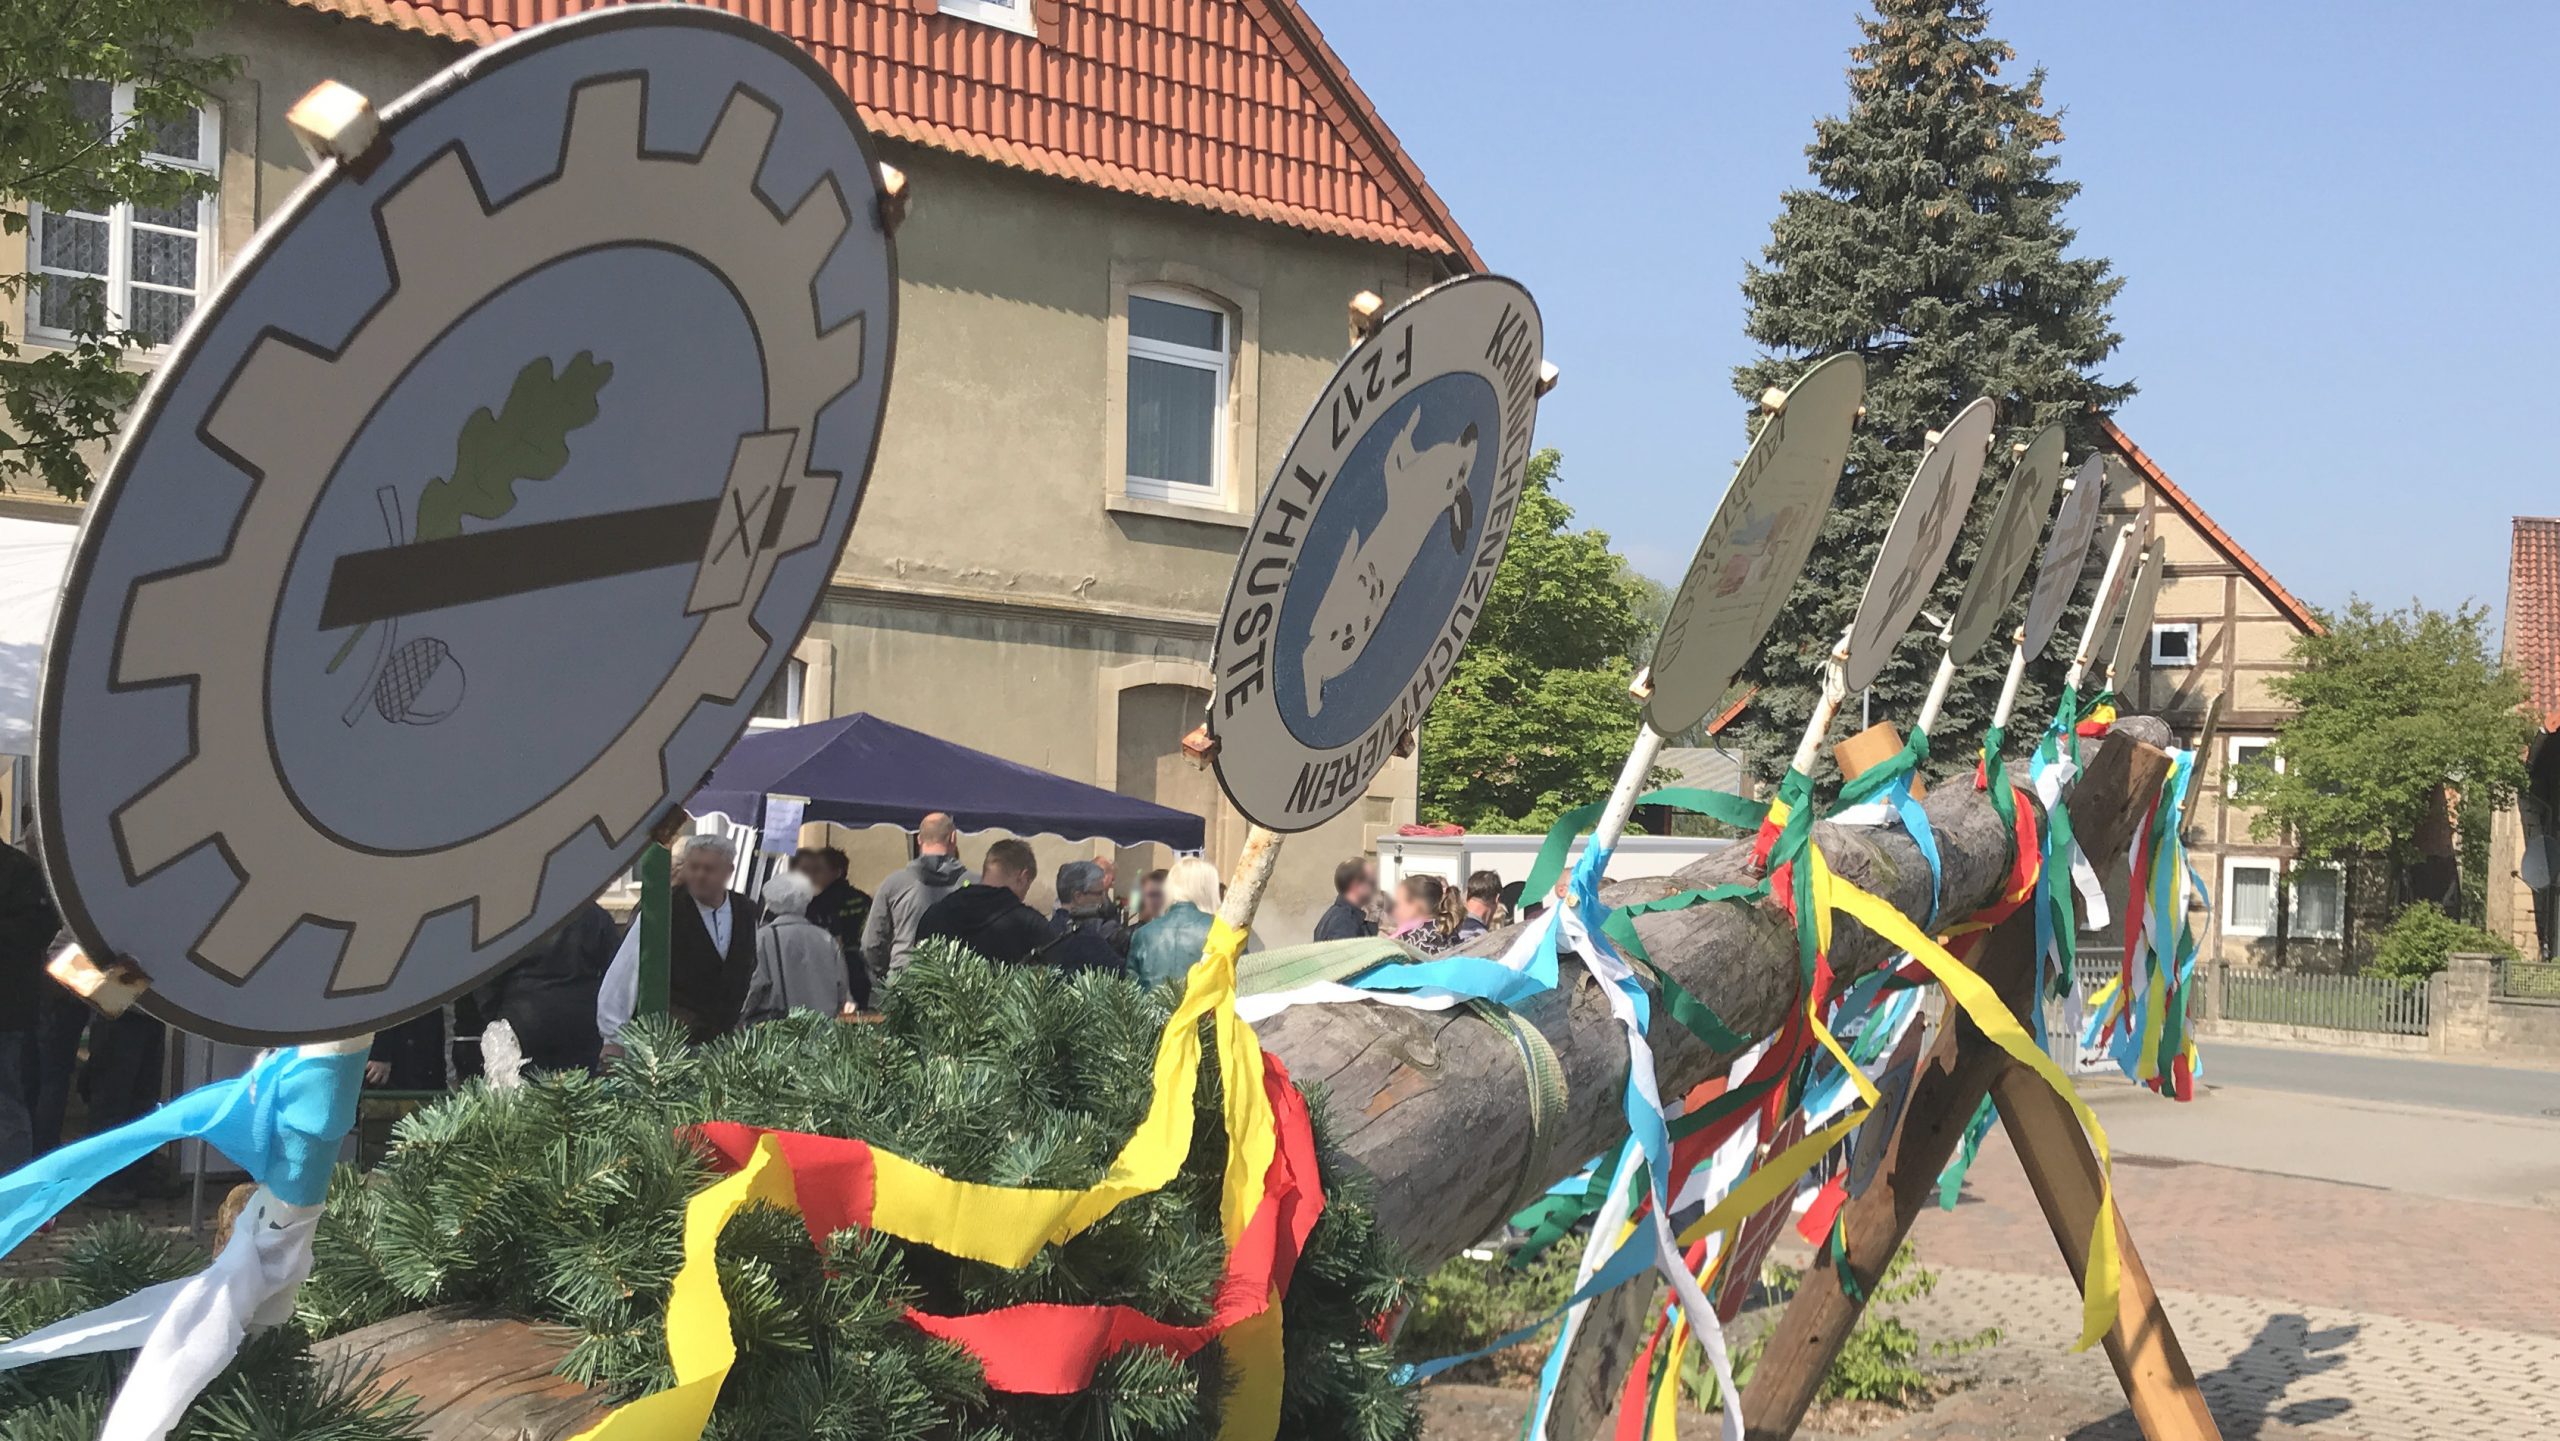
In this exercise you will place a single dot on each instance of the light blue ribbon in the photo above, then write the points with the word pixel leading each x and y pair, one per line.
pixel 1915 823
pixel 281 1123
pixel 1632 1260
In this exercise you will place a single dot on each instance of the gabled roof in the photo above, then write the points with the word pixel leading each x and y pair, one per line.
pixel 1230 105
pixel 2533 613
pixel 2185 505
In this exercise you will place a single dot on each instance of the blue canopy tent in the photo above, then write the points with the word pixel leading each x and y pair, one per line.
pixel 860 770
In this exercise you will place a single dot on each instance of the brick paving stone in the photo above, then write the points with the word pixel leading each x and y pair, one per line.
pixel 2250 1233
pixel 2315 1370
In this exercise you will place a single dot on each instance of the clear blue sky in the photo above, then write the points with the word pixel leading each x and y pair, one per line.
pixel 2336 222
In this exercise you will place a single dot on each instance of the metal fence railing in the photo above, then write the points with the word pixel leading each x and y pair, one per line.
pixel 2339 1003
pixel 2529 980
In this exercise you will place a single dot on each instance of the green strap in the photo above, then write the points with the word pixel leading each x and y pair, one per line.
pixel 1286 968
pixel 655 892
pixel 1548 1097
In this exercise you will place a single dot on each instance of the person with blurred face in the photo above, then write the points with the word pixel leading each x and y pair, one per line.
pixel 1355 883
pixel 711 948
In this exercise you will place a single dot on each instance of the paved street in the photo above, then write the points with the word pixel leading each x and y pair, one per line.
pixel 2337 1309
pixel 2476 1156
pixel 2337 1266
pixel 2379 1076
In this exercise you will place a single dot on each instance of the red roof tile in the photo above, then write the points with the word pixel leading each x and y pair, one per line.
pixel 2533 612
pixel 1230 105
pixel 2185 505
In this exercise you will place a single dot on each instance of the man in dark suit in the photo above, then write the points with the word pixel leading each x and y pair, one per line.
pixel 711 948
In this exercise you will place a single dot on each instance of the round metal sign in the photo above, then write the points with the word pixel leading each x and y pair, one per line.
pixel 468 523
pixel 1915 547
pixel 2065 551
pixel 2133 637
pixel 2008 543
pixel 1374 550
pixel 1756 546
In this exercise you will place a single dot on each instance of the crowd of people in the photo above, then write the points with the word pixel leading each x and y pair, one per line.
pixel 812 941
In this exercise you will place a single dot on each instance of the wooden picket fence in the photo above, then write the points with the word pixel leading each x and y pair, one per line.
pixel 2338 1003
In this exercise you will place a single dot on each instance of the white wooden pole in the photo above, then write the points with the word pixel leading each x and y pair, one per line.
pixel 2099 614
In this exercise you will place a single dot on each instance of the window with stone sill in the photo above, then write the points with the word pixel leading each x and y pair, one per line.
pixel 128 267
pixel 1180 363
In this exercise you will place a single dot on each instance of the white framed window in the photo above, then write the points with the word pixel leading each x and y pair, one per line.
pixel 130 267
pixel 779 706
pixel 2249 896
pixel 2319 902
pixel 1178 376
pixel 2244 751
pixel 2173 644
pixel 1014 15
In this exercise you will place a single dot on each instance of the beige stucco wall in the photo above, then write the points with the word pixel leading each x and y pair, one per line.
pixel 997 590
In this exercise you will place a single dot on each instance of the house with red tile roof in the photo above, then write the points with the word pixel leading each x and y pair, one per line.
pixel 1133 229
pixel 2223 629
pixel 2524 841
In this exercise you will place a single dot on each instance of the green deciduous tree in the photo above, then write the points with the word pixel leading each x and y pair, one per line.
pixel 1537 718
pixel 67 145
pixel 2395 711
pixel 1931 243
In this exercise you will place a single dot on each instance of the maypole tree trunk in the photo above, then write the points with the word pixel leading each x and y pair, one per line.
pixel 1435 1106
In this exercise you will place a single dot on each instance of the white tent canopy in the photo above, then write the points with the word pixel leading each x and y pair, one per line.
pixel 33 556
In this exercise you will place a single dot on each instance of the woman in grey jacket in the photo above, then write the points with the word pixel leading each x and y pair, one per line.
pixel 798 964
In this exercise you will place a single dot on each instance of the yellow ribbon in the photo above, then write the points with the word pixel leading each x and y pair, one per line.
pixel 1982 1005
pixel 1821 887
pixel 698 1341
pixel 1006 1225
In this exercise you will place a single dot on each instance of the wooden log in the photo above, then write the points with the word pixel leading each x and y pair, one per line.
pixel 477 1378
pixel 1434 1105
pixel 1958 1073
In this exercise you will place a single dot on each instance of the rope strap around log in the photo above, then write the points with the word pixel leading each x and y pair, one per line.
pixel 1548 1097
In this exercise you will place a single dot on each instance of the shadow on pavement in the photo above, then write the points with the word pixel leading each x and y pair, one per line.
pixel 2247 1393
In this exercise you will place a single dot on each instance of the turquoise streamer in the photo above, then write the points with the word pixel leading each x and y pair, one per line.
pixel 281 1123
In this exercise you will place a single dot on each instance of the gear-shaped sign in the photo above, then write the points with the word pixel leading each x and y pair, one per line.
pixel 468 523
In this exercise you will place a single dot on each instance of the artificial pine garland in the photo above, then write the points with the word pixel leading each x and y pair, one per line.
pixel 276 1391
pixel 562 1200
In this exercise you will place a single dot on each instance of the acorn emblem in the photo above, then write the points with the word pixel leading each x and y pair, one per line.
pixel 420 684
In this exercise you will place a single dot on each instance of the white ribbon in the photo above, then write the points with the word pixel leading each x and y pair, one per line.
pixel 187 1330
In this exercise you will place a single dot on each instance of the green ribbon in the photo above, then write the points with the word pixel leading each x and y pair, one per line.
pixel 1871 782
pixel 1723 806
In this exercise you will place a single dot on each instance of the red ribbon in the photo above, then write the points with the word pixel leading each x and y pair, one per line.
pixel 1045 1349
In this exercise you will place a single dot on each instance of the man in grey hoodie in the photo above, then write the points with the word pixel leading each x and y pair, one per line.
pixel 899 904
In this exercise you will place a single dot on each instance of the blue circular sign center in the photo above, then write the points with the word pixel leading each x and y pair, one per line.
pixel 1384 559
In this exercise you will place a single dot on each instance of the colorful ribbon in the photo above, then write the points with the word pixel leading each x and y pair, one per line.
pixel 281 1122
pixel 1049 1349
pixel 1002 1225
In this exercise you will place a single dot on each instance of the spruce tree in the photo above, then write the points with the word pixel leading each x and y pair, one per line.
pixel 1932 243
